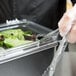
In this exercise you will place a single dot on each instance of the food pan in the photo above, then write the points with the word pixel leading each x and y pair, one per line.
pixel 8 54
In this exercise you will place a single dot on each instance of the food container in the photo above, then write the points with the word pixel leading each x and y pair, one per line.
pixel 28 59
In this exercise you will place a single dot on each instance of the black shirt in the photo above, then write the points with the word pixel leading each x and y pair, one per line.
pixel 44 12
pixel 5 10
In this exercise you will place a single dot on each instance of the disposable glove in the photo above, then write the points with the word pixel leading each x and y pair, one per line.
pixel 64 24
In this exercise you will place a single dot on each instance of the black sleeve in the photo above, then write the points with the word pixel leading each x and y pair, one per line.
pixel 73 1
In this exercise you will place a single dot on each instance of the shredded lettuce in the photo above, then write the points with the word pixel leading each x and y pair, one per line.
pixel 14 37
pixel 9 42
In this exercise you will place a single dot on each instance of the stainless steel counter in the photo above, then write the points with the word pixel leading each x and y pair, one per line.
pixel 67 65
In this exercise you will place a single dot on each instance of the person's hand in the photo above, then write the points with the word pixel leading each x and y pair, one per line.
pixel 71 37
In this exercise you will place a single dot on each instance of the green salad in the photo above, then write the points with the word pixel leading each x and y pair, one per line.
pixel 15 37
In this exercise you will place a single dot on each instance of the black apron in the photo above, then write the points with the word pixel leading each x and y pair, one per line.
pixel 44 12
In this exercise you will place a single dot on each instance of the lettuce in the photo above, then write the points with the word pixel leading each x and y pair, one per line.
pixel 14 37
pixel 14 33
pixel 9 42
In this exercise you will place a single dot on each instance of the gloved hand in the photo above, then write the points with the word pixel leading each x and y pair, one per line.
pixel 63 25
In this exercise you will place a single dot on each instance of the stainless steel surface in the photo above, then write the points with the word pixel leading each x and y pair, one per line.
pixel 72 56
pixel 64 66
pixel 67 65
